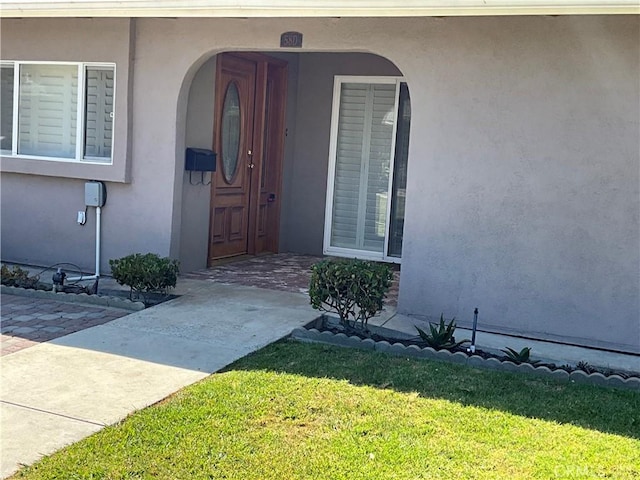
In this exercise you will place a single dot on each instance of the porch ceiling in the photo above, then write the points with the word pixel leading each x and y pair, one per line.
pixel 311 8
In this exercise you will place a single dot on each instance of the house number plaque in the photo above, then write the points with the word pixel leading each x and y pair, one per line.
pixel 291 40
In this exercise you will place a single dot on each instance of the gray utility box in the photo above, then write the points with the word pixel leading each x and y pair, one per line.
pixel 95 194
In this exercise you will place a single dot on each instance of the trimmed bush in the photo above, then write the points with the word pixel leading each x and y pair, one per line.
pixel 145 273
pixel 352 288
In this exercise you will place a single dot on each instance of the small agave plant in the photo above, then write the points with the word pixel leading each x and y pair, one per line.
pixel 523 356
pixel 440 335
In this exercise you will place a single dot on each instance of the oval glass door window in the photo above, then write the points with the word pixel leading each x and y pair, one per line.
pixel 230 132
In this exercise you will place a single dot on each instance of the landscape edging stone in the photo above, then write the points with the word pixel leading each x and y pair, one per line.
pixel 313 335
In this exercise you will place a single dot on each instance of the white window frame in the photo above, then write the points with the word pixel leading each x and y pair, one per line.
pixel 81 108
pixel 333 145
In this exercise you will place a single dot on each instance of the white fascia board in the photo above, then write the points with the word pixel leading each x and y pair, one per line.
pixel 311 8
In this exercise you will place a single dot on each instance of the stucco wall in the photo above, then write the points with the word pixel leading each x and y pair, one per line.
pixel 291 123
pixel 39 208
pixel 523 190
pixel 523 193
pixel 194 229
pixel 39 221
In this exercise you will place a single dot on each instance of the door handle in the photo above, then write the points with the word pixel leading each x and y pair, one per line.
pixel 251 165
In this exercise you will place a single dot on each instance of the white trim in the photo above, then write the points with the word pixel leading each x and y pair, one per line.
pixel 328 249
pixel 80 112
pixel 311 8
pixel 16 100
pixel 14 118
pixel 377 79
pixel 333 145
pixel 361 254
pixel 5 155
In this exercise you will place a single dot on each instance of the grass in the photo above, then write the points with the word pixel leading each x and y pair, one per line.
pixel 315 412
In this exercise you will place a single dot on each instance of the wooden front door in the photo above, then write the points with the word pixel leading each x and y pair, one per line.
pixel 249 142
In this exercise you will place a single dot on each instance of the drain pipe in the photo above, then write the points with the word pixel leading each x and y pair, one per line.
pixel 97 274
pixel 95 195
pixel 98 219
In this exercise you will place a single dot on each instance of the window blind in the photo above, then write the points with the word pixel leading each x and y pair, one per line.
pixel 363 154
pixel 98 112
pixel 47 113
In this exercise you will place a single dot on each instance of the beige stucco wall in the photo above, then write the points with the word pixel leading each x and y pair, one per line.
pixel 194 227
pixel 40 199
pixel 39 206
pixel 523 190
pixel 523 194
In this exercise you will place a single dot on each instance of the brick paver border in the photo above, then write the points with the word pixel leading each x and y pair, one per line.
pixel 31 319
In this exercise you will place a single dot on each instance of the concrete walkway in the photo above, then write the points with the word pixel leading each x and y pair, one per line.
pixel 59 392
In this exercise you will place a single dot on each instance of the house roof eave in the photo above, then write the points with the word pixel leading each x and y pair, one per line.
pixel 311 8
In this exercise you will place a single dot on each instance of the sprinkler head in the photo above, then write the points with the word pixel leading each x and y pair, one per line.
pixel 58 277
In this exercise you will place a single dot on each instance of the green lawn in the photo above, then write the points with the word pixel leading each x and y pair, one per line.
pixel 314 412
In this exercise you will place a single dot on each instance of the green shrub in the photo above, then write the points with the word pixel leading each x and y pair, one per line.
pixel 354 289
pixel 440 335
pixel 17 277
pixel 144 274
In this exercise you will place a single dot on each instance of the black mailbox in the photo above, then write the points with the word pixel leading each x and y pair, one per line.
pixel 200 160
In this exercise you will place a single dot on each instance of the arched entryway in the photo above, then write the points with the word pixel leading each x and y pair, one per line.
pixel 301 161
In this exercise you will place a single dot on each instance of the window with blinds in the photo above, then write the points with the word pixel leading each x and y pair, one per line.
pixel 48 110
pixel 58 110
pixel 363 154
pixel 98 113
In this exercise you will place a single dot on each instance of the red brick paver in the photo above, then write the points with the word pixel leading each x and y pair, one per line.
pixel 27 321
pixel 288 272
